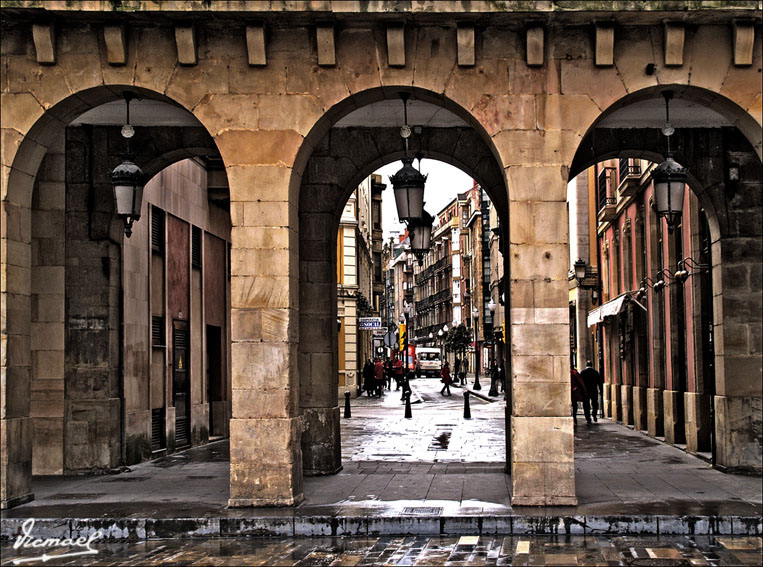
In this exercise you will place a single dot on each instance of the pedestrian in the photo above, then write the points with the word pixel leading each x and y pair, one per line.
pixel 464 370
pixel 378 377
pixel 368 376
pixel 397 365
pixel 594 384
pixel 456 368
pixel 388 372
pixel 445 378
pixel 493 378
pixel 578 395
pixel 502 376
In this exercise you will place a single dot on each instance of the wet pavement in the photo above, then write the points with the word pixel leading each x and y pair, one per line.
pixel 435 474
pixel 464 550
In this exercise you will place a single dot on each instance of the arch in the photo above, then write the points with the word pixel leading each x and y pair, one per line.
pixel 719 138
pixel 158 147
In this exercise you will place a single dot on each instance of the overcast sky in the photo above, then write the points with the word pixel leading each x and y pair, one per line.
pixel 443 183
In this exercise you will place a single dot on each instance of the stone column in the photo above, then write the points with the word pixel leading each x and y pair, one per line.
pixel 265 429
pixel 542 443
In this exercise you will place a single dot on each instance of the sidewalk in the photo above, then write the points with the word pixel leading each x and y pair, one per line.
pixel 436 473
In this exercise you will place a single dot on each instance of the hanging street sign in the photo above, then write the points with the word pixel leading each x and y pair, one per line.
pixel 369 323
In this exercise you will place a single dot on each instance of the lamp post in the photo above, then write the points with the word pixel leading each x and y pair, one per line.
pixel 407 311
pixel 476 315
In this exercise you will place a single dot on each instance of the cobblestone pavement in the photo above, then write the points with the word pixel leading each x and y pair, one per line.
pixel 465 550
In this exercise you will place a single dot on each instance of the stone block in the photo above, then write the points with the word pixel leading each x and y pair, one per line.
pixel 44 37
pixel 396 45
pixel 48 364
pixel 697 418
pixel 744 42
pixel 626 396
pixel 264 404
pixel 541 261
pixel 545 399
pixel 276 148
pixel 320 442
pixel 742 376
pixel 261 366
pixel 277 292
pixel 617 402
pixel 185 41
pixel 577 76
pixel 532 368
pixel 300 112
pixel 639 408
pixel 325 43
pixel 540 339
pixel 48 452
pixel 255 45
pixel 542 439
pixel 116 44
pixel 465 41
pixel 16 387
pixel 604 51
pixel 710 56
pixel 534 46
pixel 674 43
pixel 570 112
pixel 738 421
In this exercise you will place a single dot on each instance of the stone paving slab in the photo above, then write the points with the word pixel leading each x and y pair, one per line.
pixel 393 483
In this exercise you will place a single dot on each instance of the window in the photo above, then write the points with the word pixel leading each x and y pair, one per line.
pixel 376 214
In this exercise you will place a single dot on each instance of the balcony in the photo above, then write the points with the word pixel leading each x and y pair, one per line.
pixel 607 203
pixel 441 296
pixel 630 177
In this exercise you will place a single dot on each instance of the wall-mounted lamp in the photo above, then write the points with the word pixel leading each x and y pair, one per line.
pixel 580 269
pixel 688 263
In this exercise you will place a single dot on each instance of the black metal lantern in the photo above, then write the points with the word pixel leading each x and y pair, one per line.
pixel 669 186
pixel 669 177
pixel 421 235
pixel 127 180
pixel 580 269
pixel 408 183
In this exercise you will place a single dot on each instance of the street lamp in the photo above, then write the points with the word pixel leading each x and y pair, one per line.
pixel 669 177
pixel 421 236
pixel 408 183
pixel 476 315
pixel 493 386
pixel 127 180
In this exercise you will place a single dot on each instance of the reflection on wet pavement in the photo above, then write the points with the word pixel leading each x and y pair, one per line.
pixel 418 550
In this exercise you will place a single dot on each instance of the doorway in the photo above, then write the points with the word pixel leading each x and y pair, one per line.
pixel 181 383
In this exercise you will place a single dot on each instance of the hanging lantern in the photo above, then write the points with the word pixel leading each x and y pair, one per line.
pixel 669 186
pixel 127 180
pixel 421 235
pixel 408 185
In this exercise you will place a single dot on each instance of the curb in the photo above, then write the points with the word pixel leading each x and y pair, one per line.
pixel 136 529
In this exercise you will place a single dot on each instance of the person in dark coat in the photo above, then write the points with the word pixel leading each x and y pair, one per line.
pixel 578 395
pixel 493 378
pixel 445 378
pixel 502 376
pixel 368 376
pixel 388 372
pixel 594 385
pixel 456 368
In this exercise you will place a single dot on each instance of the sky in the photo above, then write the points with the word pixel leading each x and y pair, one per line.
pixel 443 183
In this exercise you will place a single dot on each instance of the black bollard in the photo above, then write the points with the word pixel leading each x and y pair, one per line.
pixel 347 412
pixel 467 409
pixel 408 414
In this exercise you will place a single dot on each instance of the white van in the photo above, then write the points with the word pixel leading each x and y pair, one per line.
pixel 428 362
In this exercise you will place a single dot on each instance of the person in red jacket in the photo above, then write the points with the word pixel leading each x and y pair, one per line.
pixel 378 377
pixel 445 378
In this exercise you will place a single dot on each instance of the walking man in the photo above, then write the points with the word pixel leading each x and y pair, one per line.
pixel 579 395
pixel 445 378
pixel 593 383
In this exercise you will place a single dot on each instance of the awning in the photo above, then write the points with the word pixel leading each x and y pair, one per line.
pixel 609 309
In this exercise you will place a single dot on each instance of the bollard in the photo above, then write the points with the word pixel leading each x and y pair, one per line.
pixel 408 414
pixel 347 412
pixel 467 409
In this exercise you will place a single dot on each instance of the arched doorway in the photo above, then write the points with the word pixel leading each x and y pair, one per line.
pixel 683 366
pixel 90 386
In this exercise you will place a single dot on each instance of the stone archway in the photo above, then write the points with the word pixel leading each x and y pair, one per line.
pixel 714 136
pixel 65 323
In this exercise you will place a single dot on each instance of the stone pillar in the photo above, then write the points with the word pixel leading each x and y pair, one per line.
pixel 318 348
pixel 542 443
pixel 607 401
pixel 697 419
pixel 639 408
pixel 15 358
pixel 626 395
pixel 265 429
pixel 617 402
pixel 654 414
pixel 673 422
